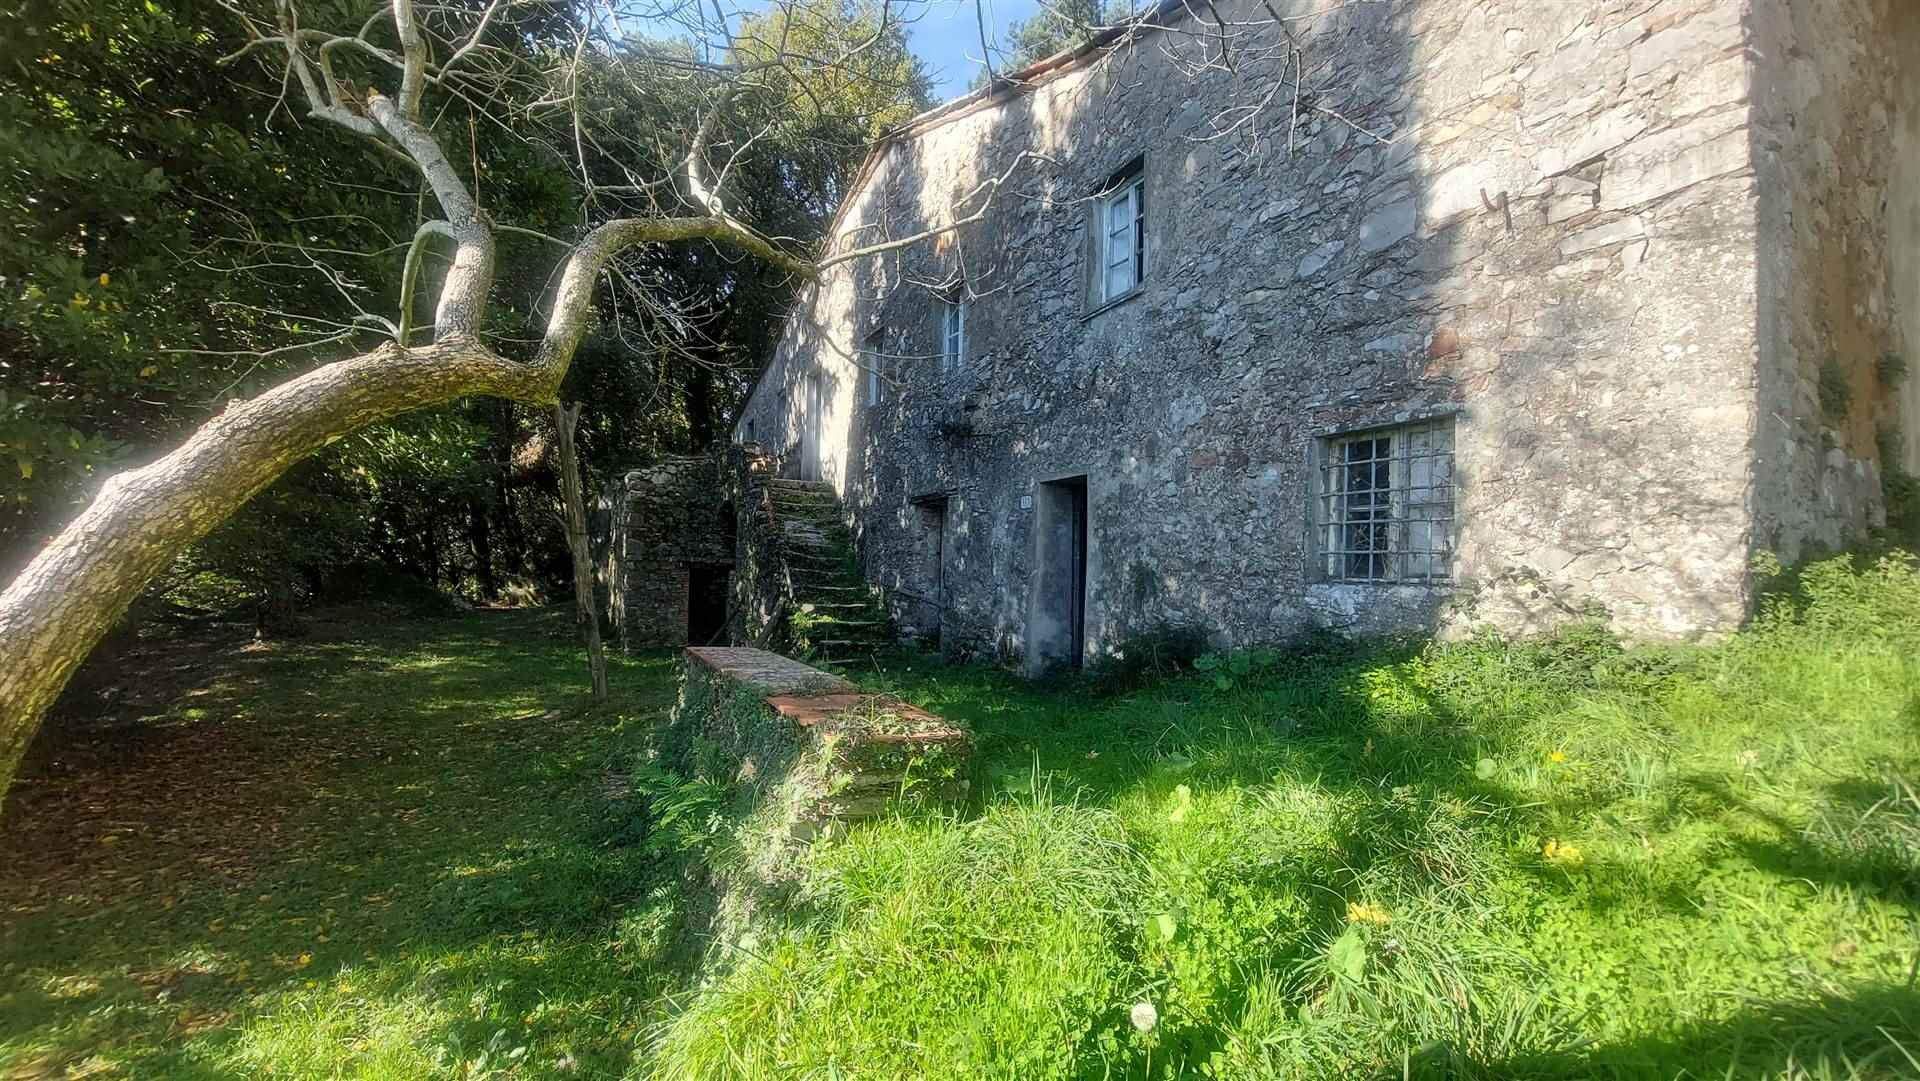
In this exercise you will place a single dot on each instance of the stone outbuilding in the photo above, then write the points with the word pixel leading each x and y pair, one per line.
pixel 1408 314
pixel 669 561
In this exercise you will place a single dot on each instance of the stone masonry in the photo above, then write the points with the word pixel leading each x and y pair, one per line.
pixel 670 553
pixel 1642 263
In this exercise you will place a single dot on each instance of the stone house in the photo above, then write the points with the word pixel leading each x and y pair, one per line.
pixel 1404 314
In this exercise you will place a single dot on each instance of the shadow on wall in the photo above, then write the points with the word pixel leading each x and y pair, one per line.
pixel 1523 218
pixel 1836 146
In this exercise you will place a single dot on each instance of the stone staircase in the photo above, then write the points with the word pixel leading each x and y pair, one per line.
pixel 831 615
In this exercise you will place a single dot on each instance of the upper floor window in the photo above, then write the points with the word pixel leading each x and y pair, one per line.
pixel 1383 504
pixel 1123 235
pixel 953 332
pixel 873 362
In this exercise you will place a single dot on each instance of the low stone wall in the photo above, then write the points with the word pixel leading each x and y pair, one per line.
pixel 802 754
pixel 812 744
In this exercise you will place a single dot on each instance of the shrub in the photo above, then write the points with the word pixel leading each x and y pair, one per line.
pixel 1166 650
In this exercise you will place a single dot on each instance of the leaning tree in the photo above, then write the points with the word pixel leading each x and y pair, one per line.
pixel 541 72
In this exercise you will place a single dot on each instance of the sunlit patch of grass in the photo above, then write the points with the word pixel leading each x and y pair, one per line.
pixel 1552 858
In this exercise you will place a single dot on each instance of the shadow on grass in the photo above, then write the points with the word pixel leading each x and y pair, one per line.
pixel 403 832
pixel 1873 1032
pixel 1864 835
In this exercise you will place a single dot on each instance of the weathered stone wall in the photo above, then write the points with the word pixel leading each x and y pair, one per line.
pixel 667 518
pixel 799 754
pixel 1539 219
pixel 1836 136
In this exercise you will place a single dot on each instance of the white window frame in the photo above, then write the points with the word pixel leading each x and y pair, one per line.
pixel 1123 238
pixel 1384 507
pixel 953 333
pixel 873 358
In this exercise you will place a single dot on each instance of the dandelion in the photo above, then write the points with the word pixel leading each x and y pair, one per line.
pixel 1144 1016
pixel 1557 757
pixel 104 279
pixel 1367 912
pixel 1563 853
pixel 303 960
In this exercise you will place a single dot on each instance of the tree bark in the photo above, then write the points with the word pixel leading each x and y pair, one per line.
pixel 564 418
pixel 79 586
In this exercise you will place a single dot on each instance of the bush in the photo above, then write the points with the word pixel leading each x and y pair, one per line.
pixel 1166 650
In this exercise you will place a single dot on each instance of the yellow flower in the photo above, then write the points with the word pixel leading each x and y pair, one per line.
pixel 104 279
pixel 1563 853
pixel 303 960
pixel 1556 757
pixel 1367 912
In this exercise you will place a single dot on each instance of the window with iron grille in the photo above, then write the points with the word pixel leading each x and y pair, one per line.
pixel 1383 504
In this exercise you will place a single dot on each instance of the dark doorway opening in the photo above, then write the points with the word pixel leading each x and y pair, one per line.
pixel 1058 627
pixel 930 576
pixel 707 591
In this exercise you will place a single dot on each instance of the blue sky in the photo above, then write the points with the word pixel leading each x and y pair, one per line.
pixel 946 35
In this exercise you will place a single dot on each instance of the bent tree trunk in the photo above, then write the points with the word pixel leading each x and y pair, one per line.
pixel 80 585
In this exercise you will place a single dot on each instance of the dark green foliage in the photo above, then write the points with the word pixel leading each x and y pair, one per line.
pixel 160 211
pixel 1055 28
pixel 1891 369
pixel 1834 390
pixel 1164 651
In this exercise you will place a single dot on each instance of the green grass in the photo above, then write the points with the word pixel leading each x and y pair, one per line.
pixel 1483 859
pixel 384 852
pixel 1553 859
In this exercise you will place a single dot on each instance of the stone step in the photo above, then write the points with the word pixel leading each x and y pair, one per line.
pixel 839 648
pixel 819 555
pixel 823 507
pixel 849 626
pixel 816 553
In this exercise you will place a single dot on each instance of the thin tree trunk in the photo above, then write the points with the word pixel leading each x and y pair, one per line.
pixel 480 539
pixel 564 418
pixel 82 582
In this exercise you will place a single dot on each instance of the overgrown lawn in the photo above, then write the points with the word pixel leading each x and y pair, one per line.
pixel 410 850
pixel 381 852
pixel 1547 859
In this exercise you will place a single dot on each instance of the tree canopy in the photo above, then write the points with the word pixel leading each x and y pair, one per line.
pixel 354 249
pixel 178 236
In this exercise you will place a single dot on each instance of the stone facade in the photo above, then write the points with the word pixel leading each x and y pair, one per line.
pixel 1606 247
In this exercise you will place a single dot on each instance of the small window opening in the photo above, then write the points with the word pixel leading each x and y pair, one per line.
pixel 953 326
pixel 873 360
